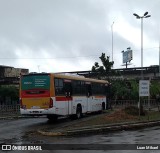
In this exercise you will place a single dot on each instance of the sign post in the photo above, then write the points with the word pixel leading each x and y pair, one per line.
pixel 143 91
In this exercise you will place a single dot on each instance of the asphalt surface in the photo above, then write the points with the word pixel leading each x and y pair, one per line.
pixel 12 130
pixel 24 131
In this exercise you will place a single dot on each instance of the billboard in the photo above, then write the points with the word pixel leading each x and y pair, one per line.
pixel 127 56
pixel 35 82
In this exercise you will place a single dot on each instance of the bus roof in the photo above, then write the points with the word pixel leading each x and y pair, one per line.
pixel 70 77
pixel 79 78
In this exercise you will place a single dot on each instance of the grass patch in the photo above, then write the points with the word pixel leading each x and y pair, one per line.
pixel 130 114
pixel 151 116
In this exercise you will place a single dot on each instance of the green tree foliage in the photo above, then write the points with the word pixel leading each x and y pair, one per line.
pixel 11 92
pixel 104 70
pixel 154 88
pixel 107 65
pixel 120 89
pixel 134 90
pixel 125 90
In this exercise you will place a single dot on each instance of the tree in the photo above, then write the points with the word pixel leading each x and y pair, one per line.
pixel 10 92
pixel 104 70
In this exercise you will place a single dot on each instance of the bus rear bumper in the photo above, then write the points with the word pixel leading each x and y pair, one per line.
pixel 39 112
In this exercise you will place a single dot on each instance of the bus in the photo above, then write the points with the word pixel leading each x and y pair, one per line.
pixel 57 95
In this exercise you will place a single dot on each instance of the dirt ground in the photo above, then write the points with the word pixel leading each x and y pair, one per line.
pixel 116 116
pixel 119 115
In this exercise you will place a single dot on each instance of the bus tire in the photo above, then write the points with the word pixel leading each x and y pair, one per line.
pixel 79 112
pixel 103 106
pixel 52 118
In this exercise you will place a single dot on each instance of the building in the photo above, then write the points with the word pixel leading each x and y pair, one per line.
pixel 151 72
pixel 10 75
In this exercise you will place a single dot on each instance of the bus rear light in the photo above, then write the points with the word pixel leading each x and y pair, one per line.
pixel 21 104
pixel 51 103
pixel 23 107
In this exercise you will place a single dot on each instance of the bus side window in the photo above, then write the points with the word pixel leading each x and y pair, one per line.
pixel 59 87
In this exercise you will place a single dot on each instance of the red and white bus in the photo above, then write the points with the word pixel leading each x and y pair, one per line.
pixel 61 95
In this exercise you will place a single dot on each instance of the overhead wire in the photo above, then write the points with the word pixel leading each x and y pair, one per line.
pixel 38 58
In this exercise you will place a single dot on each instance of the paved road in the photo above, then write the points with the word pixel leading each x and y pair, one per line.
pixel 13 130
pixel 22 132
pixel 148 136
pixel 19 130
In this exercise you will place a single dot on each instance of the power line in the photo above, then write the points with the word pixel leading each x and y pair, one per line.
pixel 48 57
pixel 38 58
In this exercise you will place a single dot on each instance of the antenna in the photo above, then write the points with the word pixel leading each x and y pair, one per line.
pixel 38 68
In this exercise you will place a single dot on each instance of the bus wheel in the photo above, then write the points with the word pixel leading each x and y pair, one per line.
pixel 79 112
pixel 52 117
pixel 103 106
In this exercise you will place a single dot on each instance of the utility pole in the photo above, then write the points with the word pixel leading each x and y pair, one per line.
pixel 112 39
pixel 159 57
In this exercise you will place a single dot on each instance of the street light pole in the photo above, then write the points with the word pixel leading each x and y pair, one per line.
pixel 112 39
pixel 141 17
pixel 159 57
pixel 142 48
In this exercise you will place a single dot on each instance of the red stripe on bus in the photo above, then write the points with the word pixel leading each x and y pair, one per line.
pixel 63 98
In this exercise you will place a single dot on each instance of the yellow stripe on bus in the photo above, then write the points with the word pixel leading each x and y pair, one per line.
pixel 39 103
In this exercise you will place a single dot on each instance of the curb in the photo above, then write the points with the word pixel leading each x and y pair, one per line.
pixel 10 117
pixel 15 117
pixel 51 133
pixel 101 129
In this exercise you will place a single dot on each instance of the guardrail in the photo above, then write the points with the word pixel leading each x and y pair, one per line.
pixel 9 110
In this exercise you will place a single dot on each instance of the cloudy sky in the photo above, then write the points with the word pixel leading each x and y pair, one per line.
pixel 70 35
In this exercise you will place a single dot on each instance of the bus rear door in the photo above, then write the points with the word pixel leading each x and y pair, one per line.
pixel 89 96
pixel 68 93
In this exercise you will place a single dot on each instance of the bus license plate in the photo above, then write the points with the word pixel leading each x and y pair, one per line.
pixel 35 107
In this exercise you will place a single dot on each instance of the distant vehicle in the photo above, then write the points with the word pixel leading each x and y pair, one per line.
pixel 61 95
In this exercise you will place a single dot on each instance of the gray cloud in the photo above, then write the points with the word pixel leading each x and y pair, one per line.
pixel 60 29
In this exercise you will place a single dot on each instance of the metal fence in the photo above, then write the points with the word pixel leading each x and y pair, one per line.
pixel 9 110
pixel 12 110
pixel 151 103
